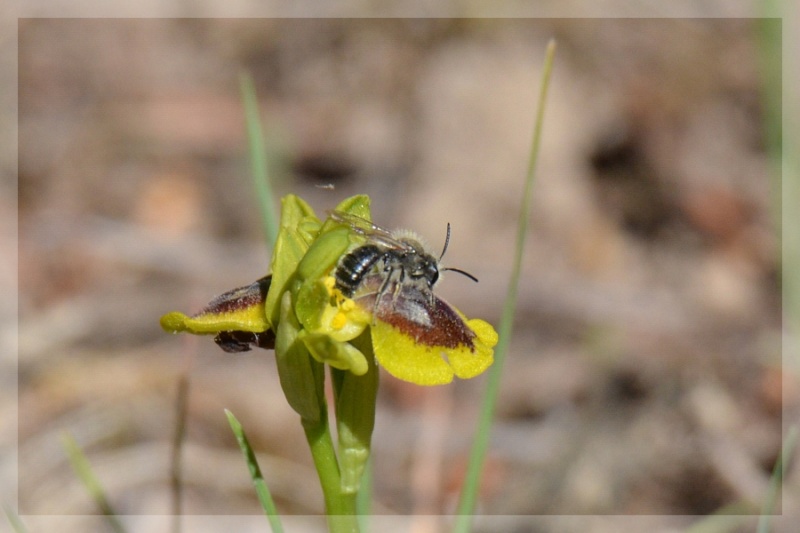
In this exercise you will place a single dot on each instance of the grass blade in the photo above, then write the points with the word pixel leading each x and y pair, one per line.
pixel 176 459
pixel 776 481
pixel 469 493
pixel 258 158
pixel 14 520
pixel 733 517
pixel 264 496
pixel 84 470
pixel 786 188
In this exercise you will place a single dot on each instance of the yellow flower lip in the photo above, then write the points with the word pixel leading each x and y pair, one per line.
pixel 425 363
pixel 448 345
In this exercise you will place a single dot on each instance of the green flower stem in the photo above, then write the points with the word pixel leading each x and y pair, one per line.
pixel 340 507
pixel 302 378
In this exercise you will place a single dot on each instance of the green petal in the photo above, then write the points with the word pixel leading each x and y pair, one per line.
pixel 302 377
pixel 323 255
pixel 358 205
pixel 332 241
pixel 341 355
pixel 298 230
pixel 312 300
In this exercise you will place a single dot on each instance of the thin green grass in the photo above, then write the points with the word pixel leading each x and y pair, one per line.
pixel 770 62
pixel 725 520
pixel 734 516
pixel 176 460
pixel 731 518
pixel 14 520
pixel 259 160
pixel 264 496
pixel 785 172
pixel 776 481
pixel 84 471
pixel 469 493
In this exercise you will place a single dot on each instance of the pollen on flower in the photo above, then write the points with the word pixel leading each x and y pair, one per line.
pixel 345 307
pixel 339 320
pixel 330 284
pixel 342 302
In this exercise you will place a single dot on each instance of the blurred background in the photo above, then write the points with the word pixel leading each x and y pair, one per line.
pixel 644 376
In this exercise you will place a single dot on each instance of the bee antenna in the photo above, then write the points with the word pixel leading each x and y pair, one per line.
pixel 446 242
pixel 470 276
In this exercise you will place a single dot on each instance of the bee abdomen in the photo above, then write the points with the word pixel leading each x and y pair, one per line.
pixel 354 266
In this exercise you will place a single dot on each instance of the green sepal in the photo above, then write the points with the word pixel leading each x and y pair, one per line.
pixel 333 240
pixel 358 205
pixel 312 300
pixel 326 251
pixel 355 397
pixel 298 229
pixel 302 377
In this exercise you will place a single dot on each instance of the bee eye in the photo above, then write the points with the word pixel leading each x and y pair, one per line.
pixel 434 277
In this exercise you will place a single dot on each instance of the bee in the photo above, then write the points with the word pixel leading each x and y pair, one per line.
pixel 393 275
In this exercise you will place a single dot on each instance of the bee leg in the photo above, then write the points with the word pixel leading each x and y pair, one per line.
pixel 381 292
pixel 394 276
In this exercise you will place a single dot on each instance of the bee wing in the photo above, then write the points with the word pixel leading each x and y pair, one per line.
pixel 373 232
pixel 423 316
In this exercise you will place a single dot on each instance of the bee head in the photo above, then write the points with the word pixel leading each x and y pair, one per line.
pixel 426 267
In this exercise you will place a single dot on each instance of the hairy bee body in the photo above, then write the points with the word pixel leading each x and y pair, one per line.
pixel 408 264
pixel 354 266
